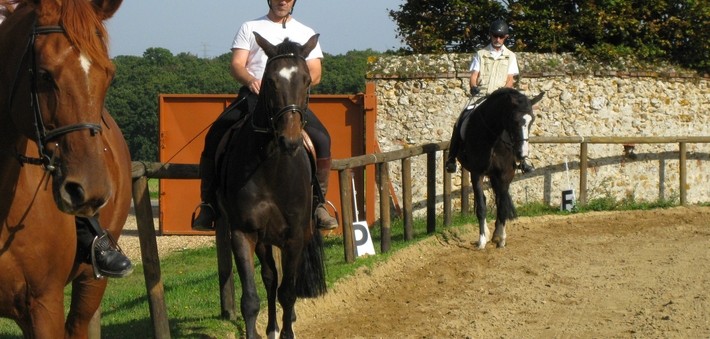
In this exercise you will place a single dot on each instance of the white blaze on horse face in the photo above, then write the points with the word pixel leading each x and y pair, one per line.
pixel 287 72
pixel 85 63
pixel 526 128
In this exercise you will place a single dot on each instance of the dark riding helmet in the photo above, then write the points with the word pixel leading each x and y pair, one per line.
pixel 499 28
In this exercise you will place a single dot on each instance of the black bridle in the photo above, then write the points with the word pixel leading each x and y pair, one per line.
pixel 42 134
pixel 274 117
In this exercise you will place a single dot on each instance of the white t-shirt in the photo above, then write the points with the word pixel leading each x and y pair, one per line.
pixel 275 33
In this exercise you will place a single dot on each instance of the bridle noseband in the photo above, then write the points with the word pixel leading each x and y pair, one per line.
pixel 43 135
pixel 274 117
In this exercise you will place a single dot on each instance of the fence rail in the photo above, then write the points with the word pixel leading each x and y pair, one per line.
pixel 146 228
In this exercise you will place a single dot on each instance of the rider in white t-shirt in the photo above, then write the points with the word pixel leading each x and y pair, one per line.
pixel 248 63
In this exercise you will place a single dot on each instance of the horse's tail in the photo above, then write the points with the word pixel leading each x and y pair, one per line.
pixel 310 282
pixel 506 207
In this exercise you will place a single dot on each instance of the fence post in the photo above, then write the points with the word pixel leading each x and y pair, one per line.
pixel 431 191
pixel 151 260
pixel 583 166
pixel 683 173
pixel 447 193
pixel 465 192
pixel 346 207
pixel 407 199
pixel 385 226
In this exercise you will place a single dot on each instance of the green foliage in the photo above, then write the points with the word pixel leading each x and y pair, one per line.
pixel 650 30
pixel 344 74
pixel 434 26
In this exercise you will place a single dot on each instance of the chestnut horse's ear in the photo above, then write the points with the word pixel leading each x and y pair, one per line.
pixel 106 8
pixel 309 46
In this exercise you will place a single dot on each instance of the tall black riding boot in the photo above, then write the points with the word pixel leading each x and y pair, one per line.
pixel 453 149
pixel 208 212
pixel 323 219
pixel 95 246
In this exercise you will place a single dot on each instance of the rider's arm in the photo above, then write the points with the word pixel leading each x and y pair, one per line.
pixel 239 70
pixel 314 67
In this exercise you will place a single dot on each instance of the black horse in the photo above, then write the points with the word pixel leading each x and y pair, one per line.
pixel 265 192
pixel 495 138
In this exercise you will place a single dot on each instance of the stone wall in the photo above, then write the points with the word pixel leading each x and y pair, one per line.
pixel 420 97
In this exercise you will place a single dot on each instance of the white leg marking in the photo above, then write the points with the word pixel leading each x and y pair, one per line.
pixel 483 237
pixel 287 72
pixel 274 335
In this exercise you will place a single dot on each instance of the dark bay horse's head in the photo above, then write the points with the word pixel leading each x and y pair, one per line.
pixel 53 86
pixel 284 89
pixel 517 125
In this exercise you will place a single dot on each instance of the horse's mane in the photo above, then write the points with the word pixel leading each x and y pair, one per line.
pixel 83 27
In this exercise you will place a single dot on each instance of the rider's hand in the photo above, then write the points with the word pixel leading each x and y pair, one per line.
pixel 475 90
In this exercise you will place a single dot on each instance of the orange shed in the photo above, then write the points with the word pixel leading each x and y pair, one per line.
pixel 185 119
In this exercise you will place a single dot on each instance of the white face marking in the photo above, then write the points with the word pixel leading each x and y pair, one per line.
pixel 287 72
pixel 526 127
pixel 85 63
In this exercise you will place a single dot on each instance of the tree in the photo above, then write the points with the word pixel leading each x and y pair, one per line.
pixel 640 30
pixel 435 26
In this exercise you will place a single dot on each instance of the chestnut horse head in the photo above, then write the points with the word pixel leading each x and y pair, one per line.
pixel 61 156
pixel 55 57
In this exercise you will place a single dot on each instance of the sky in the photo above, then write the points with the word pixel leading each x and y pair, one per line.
pixel 207 28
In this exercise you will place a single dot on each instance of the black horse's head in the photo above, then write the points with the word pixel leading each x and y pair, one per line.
pixel 519 123
pixel 284 89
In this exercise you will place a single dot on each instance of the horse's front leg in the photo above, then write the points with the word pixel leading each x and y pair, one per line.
pixel 290 259
pixel 243 246
pixel 479 203
pixel 269 275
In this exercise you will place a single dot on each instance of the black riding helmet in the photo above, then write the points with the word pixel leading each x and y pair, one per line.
pixel 499 28
pixel 268 2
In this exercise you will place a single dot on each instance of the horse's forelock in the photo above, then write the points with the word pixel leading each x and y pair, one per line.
pixel 85 30
pixel 288 46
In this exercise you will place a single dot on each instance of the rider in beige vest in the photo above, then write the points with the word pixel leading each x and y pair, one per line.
pixel 492 67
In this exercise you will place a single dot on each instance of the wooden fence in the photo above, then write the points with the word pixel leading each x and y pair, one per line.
pixel 146 229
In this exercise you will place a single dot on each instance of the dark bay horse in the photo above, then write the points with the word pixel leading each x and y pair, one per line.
pixel 265 192
pixel 61 156
pixel 495 138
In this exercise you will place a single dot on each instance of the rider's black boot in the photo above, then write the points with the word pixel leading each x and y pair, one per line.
pixel 208 214
pixel 108 260
pixel 453 149
pixel 95 246
pixel 323 219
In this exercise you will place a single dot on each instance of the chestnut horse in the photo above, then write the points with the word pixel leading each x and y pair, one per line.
pixel 495 138
pixel 265 192
pixel 61 156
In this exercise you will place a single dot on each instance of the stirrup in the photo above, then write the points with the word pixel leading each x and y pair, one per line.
pixel 315 218
pixel 112 242
pixel 202 206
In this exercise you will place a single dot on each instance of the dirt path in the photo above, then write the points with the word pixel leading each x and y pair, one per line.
pixel 603 275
